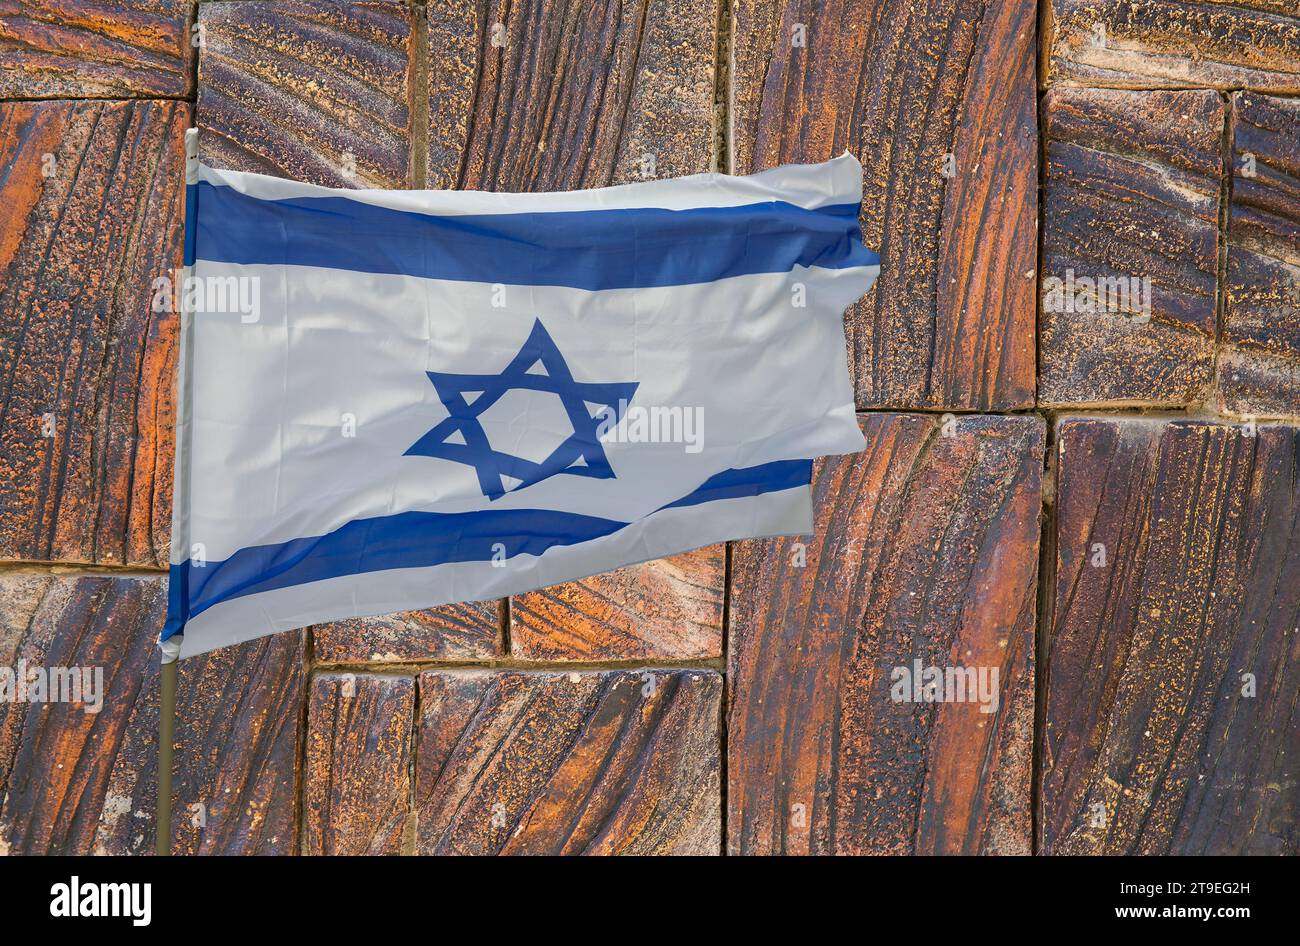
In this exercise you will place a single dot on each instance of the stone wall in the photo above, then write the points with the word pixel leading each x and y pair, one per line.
pixel 1078 376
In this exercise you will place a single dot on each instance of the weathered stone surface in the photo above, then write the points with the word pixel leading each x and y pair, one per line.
pixel 358 762
pixel 1150 744
pixel 238 741
pixel 1132 194
pixel 530 97
pixel 925 549
pixel 57 760
pixel 92 195
pixel 74 782
pixel 94 48
pixel 916 91
pixel 1253 44
pixel 568 763
pixel 308 89
pixel 1259 365
pixel 470 631
pixel 669 609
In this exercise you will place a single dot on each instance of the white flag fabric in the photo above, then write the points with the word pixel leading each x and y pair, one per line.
pixel 391 400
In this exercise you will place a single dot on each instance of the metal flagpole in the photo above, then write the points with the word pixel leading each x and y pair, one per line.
pixel 180 550
pixel 166 730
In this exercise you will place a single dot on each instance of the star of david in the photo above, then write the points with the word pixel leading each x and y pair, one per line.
pixel 461 438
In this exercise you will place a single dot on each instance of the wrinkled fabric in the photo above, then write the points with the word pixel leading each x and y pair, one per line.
pixel 393 400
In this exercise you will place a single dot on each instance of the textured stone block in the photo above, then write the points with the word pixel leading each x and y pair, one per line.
pixel 669 609
pixel 470 631
pixel 1173 659
pixel 1130 248
pixel 925 551
pixel 57 761
pixel 1252 44
pixel 357 795
pixel 308 89
pixel 937 100
pixel 532 97
pixel 92 193
pixel 238 742
pixel 618 762
pixel 1259 366
pixel 74 782
pixel 94 48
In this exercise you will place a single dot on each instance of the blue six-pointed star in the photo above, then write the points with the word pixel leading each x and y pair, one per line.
pixel 587 404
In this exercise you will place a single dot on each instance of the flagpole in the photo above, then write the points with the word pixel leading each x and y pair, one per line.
pixel 169 650
pixel 166 734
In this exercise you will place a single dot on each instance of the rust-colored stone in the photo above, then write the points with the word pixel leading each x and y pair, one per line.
pixel 532 97
pixel 669 609
pixel 57 761
pixel 1173 661
pixel 470 631
pixel 358 760
pixel 937 101
pixel 616 762
pixel 74 782
pixel 238 724
pixel 92 193
pixel 75 49
pixel 925 548
pixel 1259 364
pixel 307 89
pixel 1132 194
pixel 1251 44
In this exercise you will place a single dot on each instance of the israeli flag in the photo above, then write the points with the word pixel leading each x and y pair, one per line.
pixel 391 400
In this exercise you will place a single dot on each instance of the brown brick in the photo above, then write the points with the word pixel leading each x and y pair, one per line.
pixel 70 49
pixel 950 322
pixel 1132 192
pixel 616 762
pixel 1252 44
pixel 925 548
pixel 307 89
pixel 1259 366
pixel 358 762
pixel 79 783
pixel 576 96
pixel 470 631
pixel 92 194
pixel 669 609
pixel 1149 745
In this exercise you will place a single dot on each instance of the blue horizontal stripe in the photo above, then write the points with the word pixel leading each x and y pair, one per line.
pixel 405 540
pixel 421 539
pixel 731 484
pixel 586 249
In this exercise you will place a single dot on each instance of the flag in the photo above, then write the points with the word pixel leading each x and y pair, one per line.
pixel 391 400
